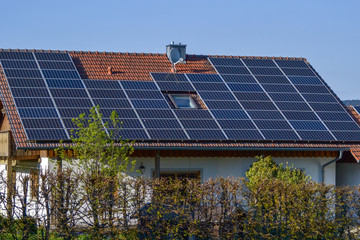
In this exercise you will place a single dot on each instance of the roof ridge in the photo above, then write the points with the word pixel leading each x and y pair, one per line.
pixel 149 54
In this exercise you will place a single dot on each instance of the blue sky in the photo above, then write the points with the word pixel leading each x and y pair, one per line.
pixel 327 33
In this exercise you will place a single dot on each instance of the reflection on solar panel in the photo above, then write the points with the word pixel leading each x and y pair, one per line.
pixel 249 99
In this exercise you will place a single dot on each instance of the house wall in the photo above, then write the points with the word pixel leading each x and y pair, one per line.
pixel 212 167
pixel 348 174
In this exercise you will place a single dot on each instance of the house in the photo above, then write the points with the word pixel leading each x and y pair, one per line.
pixel 190 115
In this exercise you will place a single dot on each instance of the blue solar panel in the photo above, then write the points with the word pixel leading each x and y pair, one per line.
pixel 148 104
pixel 61 83
pixel 122 113
pixel 258 105
pixel 346 126
pixel 327 107
pixel 232 70
pixel 56 65
pixel 273 79
pixel 174 134
pixel 275 124
pixel 102 84
pixel 210 87
pixel 30 92
pixel 52 56
pixel 17 55
pixel 238 78
pixel 334 116
pixel 176 86
pixel 135 94
pixel 293 106
pixel 204 77
pixel 291 63
pixel 169 77
pixel 206 134
pixel 100 93
pixel 34 102
pixel 22 73
pixel 112 103
pixel 306 80
pixel 259 62
pixel 26 83
pixel 226 61
pixel 155 113
pixel 138 85
pixel 286 97
pixel 319 98
pixel 245 87
pixel 266 71
pixel 199 124
pixel 279 135
pixel 193 114
pixel 300 115
pixel 347 136
pixel 132 134
pixel 125 123
pixel 161 123
pixel 298 72
pixel 312 89
pixel 274 88
pixel 229 114
pixel 357 108
pixel 254 96
pixel 265 115
pixel 68 93
pixel 42 123
pixel 236 124
pixel 223 105
pixel 316 135
pixel 61 74
pixel 73 112
pixel 37 113
pixel 308 125
pixel 243 134
pixel 46 134
pixel 73 103
pixel 216 95
pixel 19 64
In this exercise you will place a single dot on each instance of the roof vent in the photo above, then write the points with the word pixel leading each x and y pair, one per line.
pixel 176 53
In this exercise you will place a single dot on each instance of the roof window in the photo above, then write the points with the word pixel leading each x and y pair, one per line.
pixel 183 101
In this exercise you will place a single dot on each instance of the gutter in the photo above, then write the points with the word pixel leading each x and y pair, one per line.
pixel 330 162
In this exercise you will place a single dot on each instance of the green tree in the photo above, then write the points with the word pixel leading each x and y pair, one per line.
pixel 265 168
pixel 99 158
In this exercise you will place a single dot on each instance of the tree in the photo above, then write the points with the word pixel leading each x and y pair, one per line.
pixel 99 159
pixel 265 168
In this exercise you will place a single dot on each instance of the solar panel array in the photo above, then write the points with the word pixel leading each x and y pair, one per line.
pixel 249 99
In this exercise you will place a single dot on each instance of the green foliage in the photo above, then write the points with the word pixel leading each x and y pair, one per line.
pixel 97 149
pixel 265 168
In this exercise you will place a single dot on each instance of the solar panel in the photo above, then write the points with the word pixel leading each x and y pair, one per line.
pixel 19 64
pixel 276 100
pixel 52 56
pixel 26 83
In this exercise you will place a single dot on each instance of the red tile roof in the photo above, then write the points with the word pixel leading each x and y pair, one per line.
pixel 137 66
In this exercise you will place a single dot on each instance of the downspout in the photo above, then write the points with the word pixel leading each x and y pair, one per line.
pixel 328 163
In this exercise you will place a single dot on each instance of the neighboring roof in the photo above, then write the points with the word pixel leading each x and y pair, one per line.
pixel 137 67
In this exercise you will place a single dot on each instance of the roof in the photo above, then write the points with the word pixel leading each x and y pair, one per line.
pixel 137 67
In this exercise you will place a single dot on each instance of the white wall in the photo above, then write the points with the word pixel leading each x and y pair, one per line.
pixel 348 174
pixel 212 167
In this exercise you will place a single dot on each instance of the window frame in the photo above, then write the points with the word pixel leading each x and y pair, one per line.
pixel 193 104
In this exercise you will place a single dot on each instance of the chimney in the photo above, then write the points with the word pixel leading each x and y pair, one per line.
pixel 176 53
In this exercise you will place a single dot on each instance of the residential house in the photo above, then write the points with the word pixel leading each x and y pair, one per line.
pixel 190 115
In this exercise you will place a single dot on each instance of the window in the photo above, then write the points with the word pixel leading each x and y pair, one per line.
pixel 183 101
pixel 34 183
pixel 179 174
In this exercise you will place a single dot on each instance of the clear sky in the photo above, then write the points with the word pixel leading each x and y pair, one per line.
pixel 326 32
